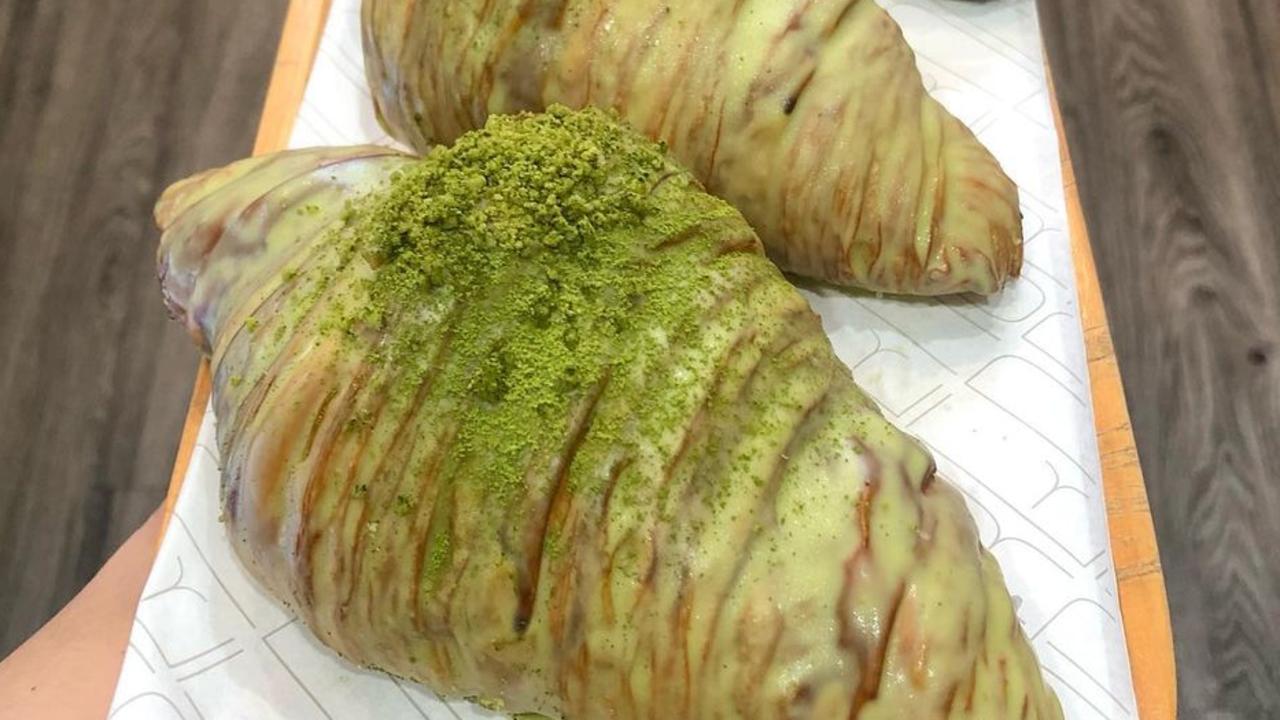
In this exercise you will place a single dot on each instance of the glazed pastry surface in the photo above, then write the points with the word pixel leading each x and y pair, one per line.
pixel 809 116
pixel 535 421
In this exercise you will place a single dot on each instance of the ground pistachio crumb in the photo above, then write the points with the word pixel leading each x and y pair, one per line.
pixel 518 272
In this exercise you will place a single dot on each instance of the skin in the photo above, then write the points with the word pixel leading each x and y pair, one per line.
pixel 809 116
pixel 69 668
pixel 706 518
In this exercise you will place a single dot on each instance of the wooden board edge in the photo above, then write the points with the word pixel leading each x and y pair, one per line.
pixel 1139 577
pixel 187 445
pixel 299 39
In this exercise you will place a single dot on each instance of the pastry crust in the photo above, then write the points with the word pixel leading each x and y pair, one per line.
pixel 719 524
pixel 809 116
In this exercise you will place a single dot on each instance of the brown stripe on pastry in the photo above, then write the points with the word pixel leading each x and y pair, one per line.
pixel 758 673
pixel 697 231
pixel 611 483
pixel 633 59
pixel 766 515
pixel 792 100
pixel 840 18
pixel 327 434
pixel 288 352
pixel 399 440
pixel 710 173
pixel 766 83
pixel 530 547
pixel 430 469
pixel 871 657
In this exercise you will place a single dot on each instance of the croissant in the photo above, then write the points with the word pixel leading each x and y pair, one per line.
pixel 533 420
pixel 807 115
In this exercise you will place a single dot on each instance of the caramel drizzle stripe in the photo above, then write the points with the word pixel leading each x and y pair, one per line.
pixel 529 574
pixel 766 514
pixel 409 420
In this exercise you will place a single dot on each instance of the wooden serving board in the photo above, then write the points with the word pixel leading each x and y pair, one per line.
pixel 1139 576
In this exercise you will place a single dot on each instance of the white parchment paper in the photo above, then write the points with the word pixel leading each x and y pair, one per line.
pixel 998 388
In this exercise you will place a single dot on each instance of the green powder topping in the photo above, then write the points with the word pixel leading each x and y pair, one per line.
pixel 542 189
pixel 537 254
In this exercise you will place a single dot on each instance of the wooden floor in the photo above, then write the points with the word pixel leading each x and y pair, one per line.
pixel 102 103
pixel 1172 109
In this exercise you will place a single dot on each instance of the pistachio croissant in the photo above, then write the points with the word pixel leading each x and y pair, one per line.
pixel 533 420
pixel 809 116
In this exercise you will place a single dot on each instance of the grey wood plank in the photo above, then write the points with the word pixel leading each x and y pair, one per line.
pixel 1172 113
pixel 102 104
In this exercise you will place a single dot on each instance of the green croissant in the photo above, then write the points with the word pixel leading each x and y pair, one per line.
pixel 807 115
pixel 533 420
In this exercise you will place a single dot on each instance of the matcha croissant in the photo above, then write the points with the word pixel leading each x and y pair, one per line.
pixel 809 116
pixel 533 420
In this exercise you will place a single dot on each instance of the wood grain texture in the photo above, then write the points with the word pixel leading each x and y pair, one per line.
pixel 299 40
pixel 1139 577
pixel 102 104
pixel 1172 112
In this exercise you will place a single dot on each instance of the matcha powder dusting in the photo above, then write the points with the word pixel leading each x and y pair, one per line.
pixel 538 254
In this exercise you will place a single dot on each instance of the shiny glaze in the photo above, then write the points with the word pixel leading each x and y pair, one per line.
pixel 764 544
pixel 809 116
